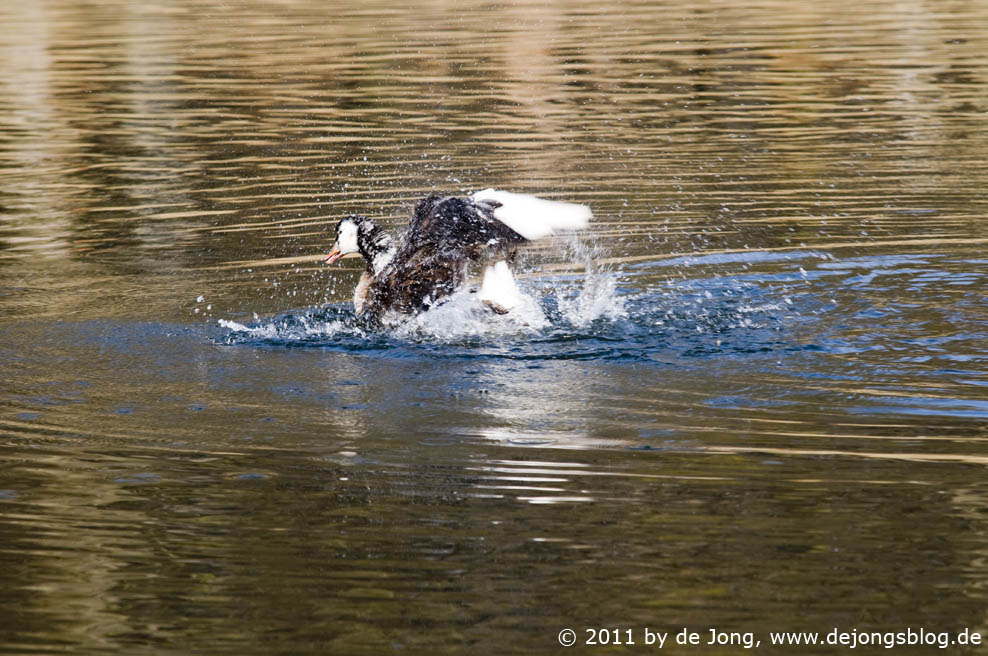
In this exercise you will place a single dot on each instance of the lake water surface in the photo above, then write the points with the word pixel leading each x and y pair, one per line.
pixel 752 397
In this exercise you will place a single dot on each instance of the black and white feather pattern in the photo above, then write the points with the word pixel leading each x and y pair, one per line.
pixel 446 234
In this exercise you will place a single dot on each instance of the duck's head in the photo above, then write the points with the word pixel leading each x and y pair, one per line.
pixel 358 235
pixel 347 238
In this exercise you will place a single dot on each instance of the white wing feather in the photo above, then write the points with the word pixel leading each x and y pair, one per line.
pixel 533 217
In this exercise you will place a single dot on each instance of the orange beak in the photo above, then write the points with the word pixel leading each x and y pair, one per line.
pixel 334 255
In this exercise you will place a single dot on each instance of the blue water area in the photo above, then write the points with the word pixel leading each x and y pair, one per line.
pixel 696 318
pixel 815 318
pixel 815 332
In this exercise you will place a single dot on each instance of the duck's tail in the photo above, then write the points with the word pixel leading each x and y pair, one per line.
pixel 532 217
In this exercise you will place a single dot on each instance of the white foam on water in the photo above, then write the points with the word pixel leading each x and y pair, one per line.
pixel 763 308
pixel 465 315
pixel 468 314
pixel 264 331
pixel 306 330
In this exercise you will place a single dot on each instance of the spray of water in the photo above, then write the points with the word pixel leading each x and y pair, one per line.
pixel 569 305
pixel 544 303
pixel 594 295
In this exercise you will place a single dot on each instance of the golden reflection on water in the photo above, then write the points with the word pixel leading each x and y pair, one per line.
pixel 156 113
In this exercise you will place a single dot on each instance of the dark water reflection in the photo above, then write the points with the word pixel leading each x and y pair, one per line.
pixel 757 400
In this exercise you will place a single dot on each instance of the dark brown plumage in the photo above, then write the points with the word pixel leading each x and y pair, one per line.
pixel 433 258
pixel 445 234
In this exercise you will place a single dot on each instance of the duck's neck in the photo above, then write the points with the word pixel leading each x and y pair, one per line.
pixel 376 246
pixel 380 261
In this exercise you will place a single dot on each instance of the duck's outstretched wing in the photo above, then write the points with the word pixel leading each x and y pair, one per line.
pixel 456 227
pixel 531 217
pixel 489 221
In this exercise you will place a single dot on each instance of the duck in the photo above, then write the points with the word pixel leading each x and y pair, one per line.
pixel 446 234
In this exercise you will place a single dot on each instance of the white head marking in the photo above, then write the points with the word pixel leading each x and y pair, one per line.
pixel 346 237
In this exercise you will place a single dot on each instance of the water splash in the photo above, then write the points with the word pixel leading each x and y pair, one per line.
pixel 598 298
pixel 542 307
pixel 594 311
pixel 309 327
pixel 596 316
pixel 465 316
